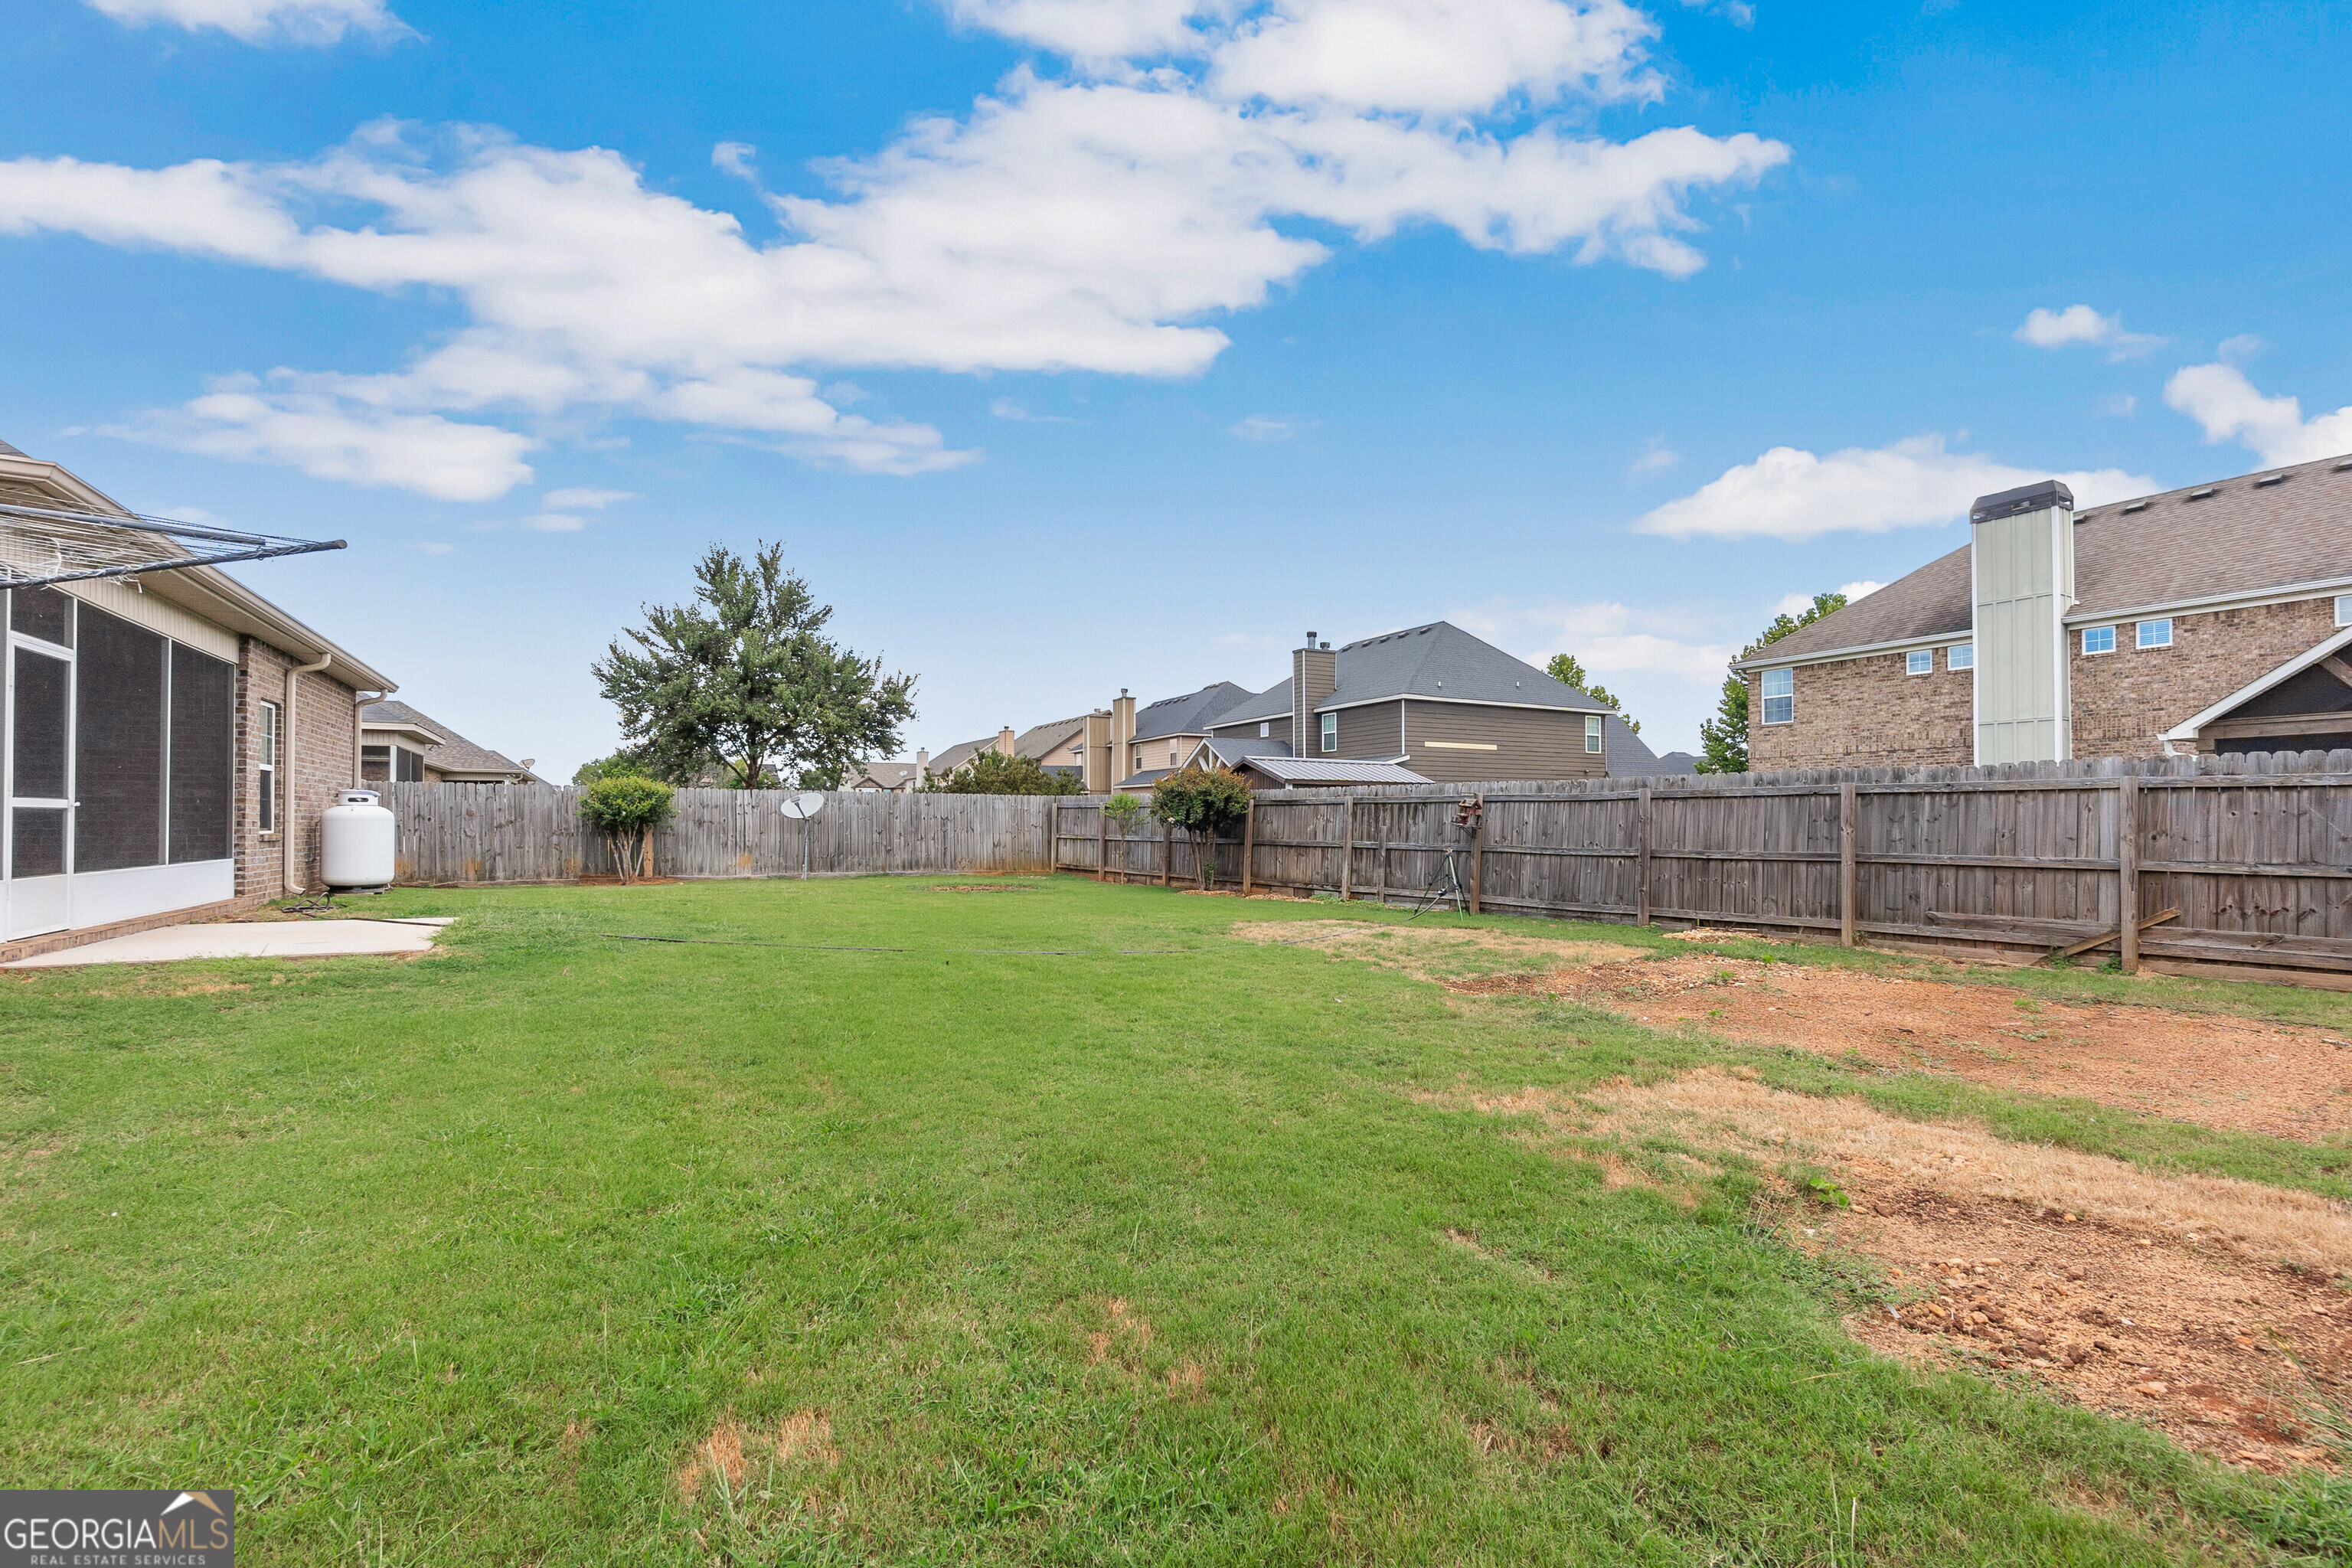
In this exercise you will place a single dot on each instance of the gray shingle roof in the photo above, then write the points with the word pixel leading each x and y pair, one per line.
pixel 1628 756
pixel 955 756
pixel 455 754
pixel 1272 703
pixel 1042 739
pixel 1231 749
pixel 2261 531
pixel 1442 660
pixel 1190 714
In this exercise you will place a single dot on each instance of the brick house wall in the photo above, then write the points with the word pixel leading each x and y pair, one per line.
pixel 1866 712
pixel 326 735
pixel 2126 701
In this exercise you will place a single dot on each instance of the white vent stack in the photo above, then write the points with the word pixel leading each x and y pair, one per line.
pixel 2021 568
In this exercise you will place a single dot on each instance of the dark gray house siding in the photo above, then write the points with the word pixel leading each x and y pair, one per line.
pixel 1529 743
pixel 1372 730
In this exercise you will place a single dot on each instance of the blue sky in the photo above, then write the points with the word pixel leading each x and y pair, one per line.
pixel 1079 344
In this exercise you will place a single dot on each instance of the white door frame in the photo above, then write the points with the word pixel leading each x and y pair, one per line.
pixel 36 905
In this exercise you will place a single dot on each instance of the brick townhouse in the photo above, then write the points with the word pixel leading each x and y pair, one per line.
pixel 172 737
pixel 2213 618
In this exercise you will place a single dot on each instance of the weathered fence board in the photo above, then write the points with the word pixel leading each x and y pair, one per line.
pixel 533 833
pixel 2254 853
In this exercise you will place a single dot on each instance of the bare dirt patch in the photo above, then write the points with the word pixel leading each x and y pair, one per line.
pixel 732 1450
pixel 2289 1081
pixel 985 888
pixel 1431 953
pixel 2174 1301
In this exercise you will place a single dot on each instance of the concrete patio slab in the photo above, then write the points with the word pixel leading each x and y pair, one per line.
pixel 233 939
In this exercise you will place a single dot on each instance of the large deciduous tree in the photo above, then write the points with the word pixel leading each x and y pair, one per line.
pixel 1724 738
pixel 744 684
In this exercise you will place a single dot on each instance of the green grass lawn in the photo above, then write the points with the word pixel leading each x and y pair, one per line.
pixel 1121 1256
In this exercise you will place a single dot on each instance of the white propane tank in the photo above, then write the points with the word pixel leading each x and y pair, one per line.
pixel 357 842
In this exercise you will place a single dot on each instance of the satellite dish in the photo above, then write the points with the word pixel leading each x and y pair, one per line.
pixel 803 805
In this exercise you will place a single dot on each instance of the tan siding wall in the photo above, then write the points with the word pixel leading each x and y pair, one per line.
pixel 1529 743
pixel 1866 712
pixel 1371 730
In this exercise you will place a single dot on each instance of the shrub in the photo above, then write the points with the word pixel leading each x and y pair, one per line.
pixel 1203 805
pixel 627 809
pixel 994 773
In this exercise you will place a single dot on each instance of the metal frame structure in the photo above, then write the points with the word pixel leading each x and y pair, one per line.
pixel 87 546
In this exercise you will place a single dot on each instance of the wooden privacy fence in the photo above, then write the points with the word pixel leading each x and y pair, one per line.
pixel 456 833
pixel 2230 864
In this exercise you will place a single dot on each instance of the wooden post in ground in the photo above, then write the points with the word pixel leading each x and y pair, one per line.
pixel 1102 845
pixel 1849 867
pixel 1249 842
pixel 1642 861
pixel 1347 848
pixel 2128 872
pixel 1166 854
pixel 1477 860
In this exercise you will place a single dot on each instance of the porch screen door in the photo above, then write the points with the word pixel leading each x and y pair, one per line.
pixel 40 790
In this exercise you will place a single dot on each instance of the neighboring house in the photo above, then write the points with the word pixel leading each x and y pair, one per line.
pixel 2215 618
pixel 895 778
pixel 1629 758
pixel 400 745
pixel 1059 747
pixel 174 735
pixel 1090 747
pixel 1168 731
pixel 1434 699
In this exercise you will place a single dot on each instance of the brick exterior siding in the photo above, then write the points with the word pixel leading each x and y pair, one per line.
pixel 326 731
pixel 1866 712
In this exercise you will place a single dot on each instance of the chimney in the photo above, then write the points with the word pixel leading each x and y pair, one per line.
pixel 1314 675
pixel 1005 739
pixel 1122 736
pixel 2022 571
pixel 922 764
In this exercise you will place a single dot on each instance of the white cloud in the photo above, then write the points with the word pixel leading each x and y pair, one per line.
pixel 586 497
pixel 1097 219
pixel 261 21
pixel 2118 404
pixel 2220 398
pixel 1607 637
pixel 300 423
pixel 553 523
pixel 1012 409
pixel 1436 56
pixel 1793 495
pixel 1656 458
pixel 2081 324
pixel 2240 349
pixel 1798 604
pixel 1264 428
pixel 435 547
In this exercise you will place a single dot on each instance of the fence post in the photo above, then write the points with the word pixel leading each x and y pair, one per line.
pixel 1249 842
pixel 1053 836
pixel 1347 848
pixel 1849 870
pixel 1641 862
pixel 1166 854
pixel 1477 860
pixel 1102 845
pixel 2128 872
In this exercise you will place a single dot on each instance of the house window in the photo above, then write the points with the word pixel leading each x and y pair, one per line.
pixel 1330 732
pixel 1593 732
pixel 1268 729
pixel 2156 634
pixel 2098 639
pixel 375 764
pixel 265 751
pixel 1919 661
pixel 1960 655
pixel 2344 609
pixel 1171 756
pixel 1780 696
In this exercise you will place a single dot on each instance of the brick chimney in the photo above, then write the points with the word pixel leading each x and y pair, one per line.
pixel 1314 675
pixel 1122 736
pixel 922 764
pixel 2021 570
pixel 1005 739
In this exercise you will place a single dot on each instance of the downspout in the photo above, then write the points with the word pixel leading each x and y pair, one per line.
pixel 288 771
pixel 359 701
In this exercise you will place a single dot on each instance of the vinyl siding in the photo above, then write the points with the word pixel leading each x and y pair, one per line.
pixel 1529 743
pixel 1369 731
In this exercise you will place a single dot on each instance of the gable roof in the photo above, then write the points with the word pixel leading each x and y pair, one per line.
pixel 2327 648
pixel 955 756
pixel 1042 739
pixel 1273 703
pixel 1442 661
pixel 453 753
pixel 2274 529
pixel 1190 714
pixel 888 775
